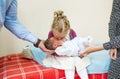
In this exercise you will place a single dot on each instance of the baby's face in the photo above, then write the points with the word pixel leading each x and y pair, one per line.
pixel 57 43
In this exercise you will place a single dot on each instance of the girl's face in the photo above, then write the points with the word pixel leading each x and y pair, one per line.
pixel 58 35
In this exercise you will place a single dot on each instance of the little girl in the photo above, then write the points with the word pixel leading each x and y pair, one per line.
pixel 61 27
pixel 61 30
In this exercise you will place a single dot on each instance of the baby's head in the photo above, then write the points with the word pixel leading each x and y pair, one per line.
pixel 52 43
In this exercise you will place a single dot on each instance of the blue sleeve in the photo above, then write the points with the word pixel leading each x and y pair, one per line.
pixel 12 24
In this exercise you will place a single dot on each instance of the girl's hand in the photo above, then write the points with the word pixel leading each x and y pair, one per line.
pixel 89 49
pixel 113 54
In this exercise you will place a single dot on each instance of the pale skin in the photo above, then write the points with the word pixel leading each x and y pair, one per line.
pixel 56 42
pixel 92 49
pixel 59 35
pixel 41 46
pixel 113 54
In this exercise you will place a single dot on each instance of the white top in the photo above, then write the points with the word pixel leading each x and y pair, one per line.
pixel 73 47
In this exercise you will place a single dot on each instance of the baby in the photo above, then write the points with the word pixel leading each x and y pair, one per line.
pixel 68 48
pixel 71 48
pixel 65 48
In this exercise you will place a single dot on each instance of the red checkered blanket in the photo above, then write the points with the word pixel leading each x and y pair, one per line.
pixel 18 68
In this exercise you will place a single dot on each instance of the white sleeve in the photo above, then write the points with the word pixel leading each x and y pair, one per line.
pixel 63 50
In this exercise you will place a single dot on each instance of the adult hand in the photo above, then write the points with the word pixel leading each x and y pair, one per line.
pixel 41 46
pixel 113 54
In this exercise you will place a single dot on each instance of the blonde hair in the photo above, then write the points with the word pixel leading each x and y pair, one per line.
pixel 60 22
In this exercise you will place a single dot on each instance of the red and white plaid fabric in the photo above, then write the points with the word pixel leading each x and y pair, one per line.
pixel 18 68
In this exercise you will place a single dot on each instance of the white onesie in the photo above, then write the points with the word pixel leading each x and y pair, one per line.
pixel 73 47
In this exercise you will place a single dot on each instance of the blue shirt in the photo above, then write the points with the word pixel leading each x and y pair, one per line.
pixel 8 18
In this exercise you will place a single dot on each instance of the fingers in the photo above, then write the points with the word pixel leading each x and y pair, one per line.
pixel 83 54
pixel 110 53
pixel 50 51
pixel 113 54
pixel 41 46
pixel 47 50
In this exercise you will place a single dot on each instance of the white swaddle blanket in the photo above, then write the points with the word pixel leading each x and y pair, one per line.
pixel 73 47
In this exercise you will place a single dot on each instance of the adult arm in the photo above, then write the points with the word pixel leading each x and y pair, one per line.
pixel 114 19
pixel 113 25
pixel 115 43
pixel 12 24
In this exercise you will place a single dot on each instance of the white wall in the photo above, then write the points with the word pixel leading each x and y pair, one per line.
pixel 87 17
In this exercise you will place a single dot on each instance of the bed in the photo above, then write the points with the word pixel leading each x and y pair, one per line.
pixel 19 68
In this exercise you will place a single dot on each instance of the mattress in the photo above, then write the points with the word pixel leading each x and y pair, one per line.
pixel 17 67
pixel 100 60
